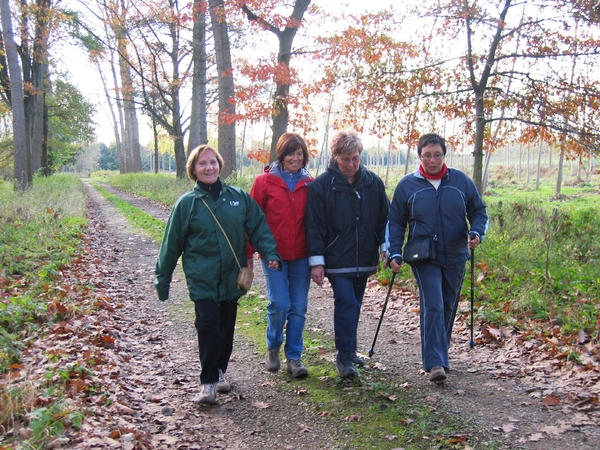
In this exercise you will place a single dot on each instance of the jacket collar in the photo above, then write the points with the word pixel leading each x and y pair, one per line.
pixel 361 175
pixel 277 170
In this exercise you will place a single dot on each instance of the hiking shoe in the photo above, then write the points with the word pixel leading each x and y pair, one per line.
pixel 295 367
pixel 273 359
pixel 208 394
pixel 343 364
pixel 437 374
pixel 223 385
pixel 357 360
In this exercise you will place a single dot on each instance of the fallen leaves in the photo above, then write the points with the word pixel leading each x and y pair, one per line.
pixel 550 401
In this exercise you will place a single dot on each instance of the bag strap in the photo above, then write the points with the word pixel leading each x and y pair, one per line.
pixel 224 234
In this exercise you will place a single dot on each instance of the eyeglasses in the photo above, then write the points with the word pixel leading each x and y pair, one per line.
pixel 347 161
pixel 434 156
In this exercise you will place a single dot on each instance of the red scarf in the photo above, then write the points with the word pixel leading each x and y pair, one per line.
pixel 438 176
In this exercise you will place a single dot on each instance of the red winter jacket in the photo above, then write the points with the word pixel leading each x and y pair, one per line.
pixel 284 210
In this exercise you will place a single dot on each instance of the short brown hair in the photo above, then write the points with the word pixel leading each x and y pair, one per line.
pixel 431 139
pixel 287 144
pixel 345 142
pixel 193 158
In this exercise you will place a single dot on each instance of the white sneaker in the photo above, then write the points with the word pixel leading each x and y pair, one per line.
pixel 223 385
pixel 208 394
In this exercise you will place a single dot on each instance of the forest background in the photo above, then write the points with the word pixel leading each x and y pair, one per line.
pixel 237 74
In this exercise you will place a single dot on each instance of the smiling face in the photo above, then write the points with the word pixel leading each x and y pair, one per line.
pixel 293 162
pixel 432 159
pixel 207 167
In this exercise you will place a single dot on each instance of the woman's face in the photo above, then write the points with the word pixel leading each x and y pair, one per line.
pixel 207 168
pixel 349 164
pixel 432 159
pixel 293 161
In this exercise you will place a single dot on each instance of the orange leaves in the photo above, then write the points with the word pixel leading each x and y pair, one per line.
pixel 261 155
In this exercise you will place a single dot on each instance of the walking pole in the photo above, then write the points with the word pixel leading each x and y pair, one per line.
pixel 387 297
pixel 472 343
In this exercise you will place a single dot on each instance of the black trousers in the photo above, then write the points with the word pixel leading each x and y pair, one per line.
pixel 215 326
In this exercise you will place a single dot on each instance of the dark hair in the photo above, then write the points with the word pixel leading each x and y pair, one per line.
pixel 193 158
pixel 287 144
pixel 345 142
pixel 431 139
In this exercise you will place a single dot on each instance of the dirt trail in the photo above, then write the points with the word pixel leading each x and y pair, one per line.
pixel 159 375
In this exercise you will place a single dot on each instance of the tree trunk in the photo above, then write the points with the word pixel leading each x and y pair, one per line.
pixel 539 167
pixel 198 117
pixel 559 175
pixel 226 145
pixel 131 136
pixel 16 97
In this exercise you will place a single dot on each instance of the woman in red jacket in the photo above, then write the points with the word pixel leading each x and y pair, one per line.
pixel 282 193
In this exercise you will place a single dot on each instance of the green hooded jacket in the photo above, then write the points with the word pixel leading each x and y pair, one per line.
pixel 207 260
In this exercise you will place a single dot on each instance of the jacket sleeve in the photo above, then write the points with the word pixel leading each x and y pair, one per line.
pixel 397 220
pixel 171 249
pixel 384 209
pixel 259 233
pixel 316 224
pixel 257 192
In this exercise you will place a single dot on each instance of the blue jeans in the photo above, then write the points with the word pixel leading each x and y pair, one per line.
pixel 348 295
pixel 287 291
pixel 439 291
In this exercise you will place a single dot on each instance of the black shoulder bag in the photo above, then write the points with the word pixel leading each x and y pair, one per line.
pixel 422 249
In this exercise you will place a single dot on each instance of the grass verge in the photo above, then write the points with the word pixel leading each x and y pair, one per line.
pixel 42 233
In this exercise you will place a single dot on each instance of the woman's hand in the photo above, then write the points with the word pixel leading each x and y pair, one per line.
pixel 317 274
pixel 473 242
pixel 275 264
pixel 394 265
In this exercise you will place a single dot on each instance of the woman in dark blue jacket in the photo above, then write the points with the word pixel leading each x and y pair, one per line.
pixel 440 203
pixel 345 229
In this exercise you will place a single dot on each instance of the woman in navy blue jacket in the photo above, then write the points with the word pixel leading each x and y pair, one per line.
pixel 345 230
pixel 441 202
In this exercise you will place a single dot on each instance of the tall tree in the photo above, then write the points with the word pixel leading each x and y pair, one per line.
pixel 198 118
pixel 21 158
pixel 285 32
pixel 226 130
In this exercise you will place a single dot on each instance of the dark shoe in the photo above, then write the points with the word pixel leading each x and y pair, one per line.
pixel 437 374
pixel 295 367
pixel 208 394
pixel 223 385
pixel 273 359
pixel 343 364
pixel 357 360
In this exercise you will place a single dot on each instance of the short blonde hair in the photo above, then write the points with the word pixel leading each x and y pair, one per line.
pixel 193 158
pixel 345 142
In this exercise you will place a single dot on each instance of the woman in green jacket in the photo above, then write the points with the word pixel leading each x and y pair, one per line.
pixel 208 262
